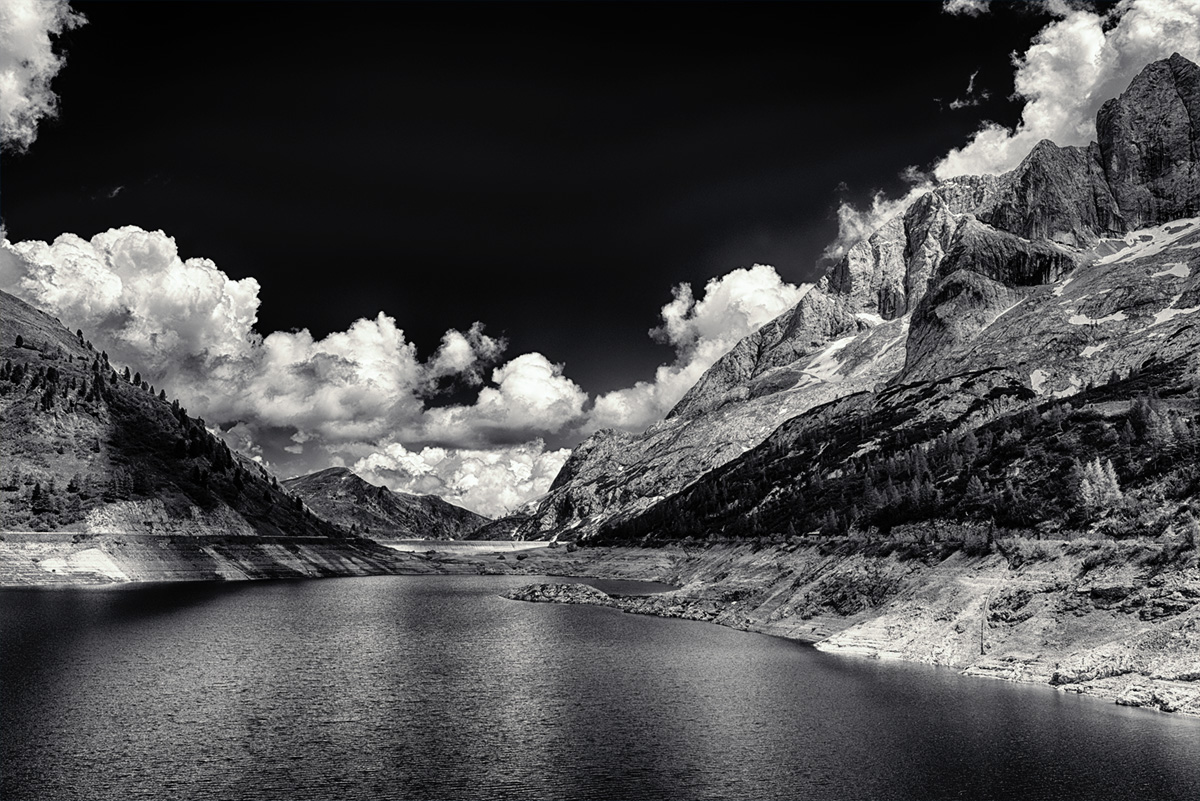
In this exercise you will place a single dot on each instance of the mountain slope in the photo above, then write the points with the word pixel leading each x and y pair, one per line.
pixel 1039 272
pixel 99 453
pixel 340 496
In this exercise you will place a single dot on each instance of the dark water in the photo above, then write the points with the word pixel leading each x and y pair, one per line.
pixel 434 687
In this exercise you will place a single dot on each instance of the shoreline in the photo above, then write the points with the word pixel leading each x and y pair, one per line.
pixel 1115 629
pixel 1103 633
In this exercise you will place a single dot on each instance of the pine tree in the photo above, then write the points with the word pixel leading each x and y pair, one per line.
pixel 976 494
pixel 970 449
pixel 1099 488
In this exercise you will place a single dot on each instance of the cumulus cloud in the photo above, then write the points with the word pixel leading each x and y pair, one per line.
pixel 531 396
pixel 490 482
pixel 970 8
pixel 293 400
pixel 130 288
pixel 1074 64
pixel 28 63
pixel 701 332
pixel 466 356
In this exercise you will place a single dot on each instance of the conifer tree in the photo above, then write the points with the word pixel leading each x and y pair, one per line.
pixel 1099 488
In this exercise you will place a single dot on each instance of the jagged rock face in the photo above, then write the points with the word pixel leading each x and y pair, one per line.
pixel 871 276
pixel 886 274
pixel 1149 143
pixel 1140 301
pixel 1005 257
pixel 616 474
pixel 342 497
pixel 1056 194
pixel 1048 215
pixel 809 325
pixel 960 281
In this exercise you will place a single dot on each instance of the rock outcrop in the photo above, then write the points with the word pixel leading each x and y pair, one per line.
pixel 1149 143
pixel 340 496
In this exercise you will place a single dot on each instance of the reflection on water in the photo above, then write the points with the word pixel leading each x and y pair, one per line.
pixel 420 687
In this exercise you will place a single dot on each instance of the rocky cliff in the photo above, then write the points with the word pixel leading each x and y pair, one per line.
pixel 338 495
pixel 1078 263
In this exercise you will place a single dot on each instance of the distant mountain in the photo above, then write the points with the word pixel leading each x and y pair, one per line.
pixel 89 449
pixel 342 497
pixel 986 298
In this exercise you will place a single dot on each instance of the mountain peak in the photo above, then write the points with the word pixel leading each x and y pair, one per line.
pixel 1148 140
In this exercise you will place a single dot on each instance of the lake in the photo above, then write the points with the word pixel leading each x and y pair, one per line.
pixel 436 687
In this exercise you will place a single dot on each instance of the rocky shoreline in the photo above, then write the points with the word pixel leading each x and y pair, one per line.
pixel 1094 618
pixel 1115 620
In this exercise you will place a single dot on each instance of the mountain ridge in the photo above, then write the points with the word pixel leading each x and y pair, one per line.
pixel 920 298
pixel 343 497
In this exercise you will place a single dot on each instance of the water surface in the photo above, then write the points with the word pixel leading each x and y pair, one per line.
pixel 435 687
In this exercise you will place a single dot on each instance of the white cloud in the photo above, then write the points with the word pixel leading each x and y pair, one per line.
pixel 190 328
pixel 466 355
pixel 299 402
pixel 27 65
pixel 971 8
pixel 532 397
pixel 292 399
pixel 855 224
pixel 1075 64
pixel 972 97
pixel 701 332
pixel 490 482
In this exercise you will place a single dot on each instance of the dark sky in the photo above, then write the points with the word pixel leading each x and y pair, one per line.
pixel 549 169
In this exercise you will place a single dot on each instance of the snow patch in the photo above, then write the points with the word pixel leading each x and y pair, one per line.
pixel 1083 319
pixel 1146 242
pixel 824 367
pixel 1074 385
pixel 1092 350
pixel 873 319
pixel 1171 312
pixel 1179 270
pixel 1038 378
pixel 1006 311
pixel 1058 289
